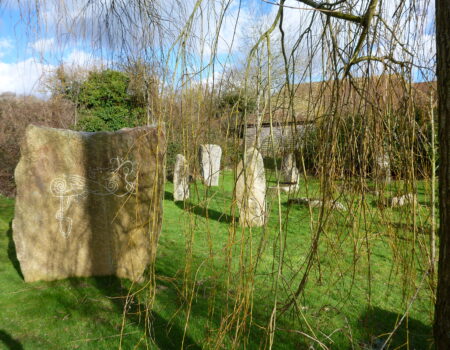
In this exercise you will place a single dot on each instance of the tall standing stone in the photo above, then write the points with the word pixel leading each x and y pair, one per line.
pixel 289 171
pixel 251 189
pixel 383 168
pixel 210 156
pixel 181 179
pixel 88 204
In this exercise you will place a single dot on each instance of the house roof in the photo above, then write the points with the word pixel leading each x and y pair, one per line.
pixel 379 94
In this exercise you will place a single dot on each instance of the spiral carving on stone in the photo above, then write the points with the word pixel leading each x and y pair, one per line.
pixel 125 171
pixel 112 183
pixel 121 174
pixel 59 186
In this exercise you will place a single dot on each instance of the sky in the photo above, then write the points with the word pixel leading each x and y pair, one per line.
pixel 27 56
pixel 29 52
pixel 17 68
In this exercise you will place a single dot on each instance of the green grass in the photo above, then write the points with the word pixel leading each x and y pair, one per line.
pixel 360 283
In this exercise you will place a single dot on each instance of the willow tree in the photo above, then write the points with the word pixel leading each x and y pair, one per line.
pixel 348 68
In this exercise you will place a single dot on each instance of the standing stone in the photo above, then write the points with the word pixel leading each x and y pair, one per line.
pixel 383 168
pixel 289 171
pixel 88 204
pixel 181 179
pixel 398 201
pixel 251 189
pixel 290 176
pixel 210 164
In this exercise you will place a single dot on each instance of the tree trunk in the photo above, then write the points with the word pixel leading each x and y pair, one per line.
pixel 442 310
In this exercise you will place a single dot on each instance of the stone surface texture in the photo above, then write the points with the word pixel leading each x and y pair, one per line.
pixel 400 201
pixel 251 189
pixel 383 168
pixel 181 179
pixel 88 204
pixel 210 156
pixel 289 171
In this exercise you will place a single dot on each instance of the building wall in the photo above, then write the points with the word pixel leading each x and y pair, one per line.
pixel 285 138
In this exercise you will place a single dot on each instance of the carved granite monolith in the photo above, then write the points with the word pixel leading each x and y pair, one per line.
pixel 180 179
pixel 210 156
pixel 251 189
pixel 88 204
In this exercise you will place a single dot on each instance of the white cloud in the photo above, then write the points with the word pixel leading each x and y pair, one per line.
pixel 5 46
pixel 43 45
pixel 80 58
pixel 23 77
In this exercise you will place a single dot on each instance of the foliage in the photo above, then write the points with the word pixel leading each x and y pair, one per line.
pixel 16 113
pixel 358 147
pixel 105 103
pixel 306 153
pixel 173 148
pixel 65 82
pixel 236 102
pixel 143 84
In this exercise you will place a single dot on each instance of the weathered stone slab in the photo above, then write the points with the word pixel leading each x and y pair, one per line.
pixel 88 204
pixel 180 179
pixel 251 189
pixel 398 201
pixel 289 171
pixel 210 156
pixel 383 168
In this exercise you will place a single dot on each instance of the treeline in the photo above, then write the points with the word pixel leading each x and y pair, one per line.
pixel 109 100
pixel 380 122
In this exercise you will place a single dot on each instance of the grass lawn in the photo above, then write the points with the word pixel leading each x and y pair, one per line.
pixel 218 284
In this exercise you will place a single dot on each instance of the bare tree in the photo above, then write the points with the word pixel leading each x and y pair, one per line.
pixel 442 312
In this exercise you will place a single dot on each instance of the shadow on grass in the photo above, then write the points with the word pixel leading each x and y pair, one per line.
pixel 9 342
pixel 272 163
pixel 133 323
pixel 421 229
pixel 166 329
pixel 164 334
pixel 205 212
pixel 379 324
pixel 12 254
pixel 168 196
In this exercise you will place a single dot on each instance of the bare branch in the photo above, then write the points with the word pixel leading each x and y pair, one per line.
pixel 325 9
pixel 363 21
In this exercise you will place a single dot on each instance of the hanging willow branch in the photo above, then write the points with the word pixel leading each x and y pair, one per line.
pixel 364 21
